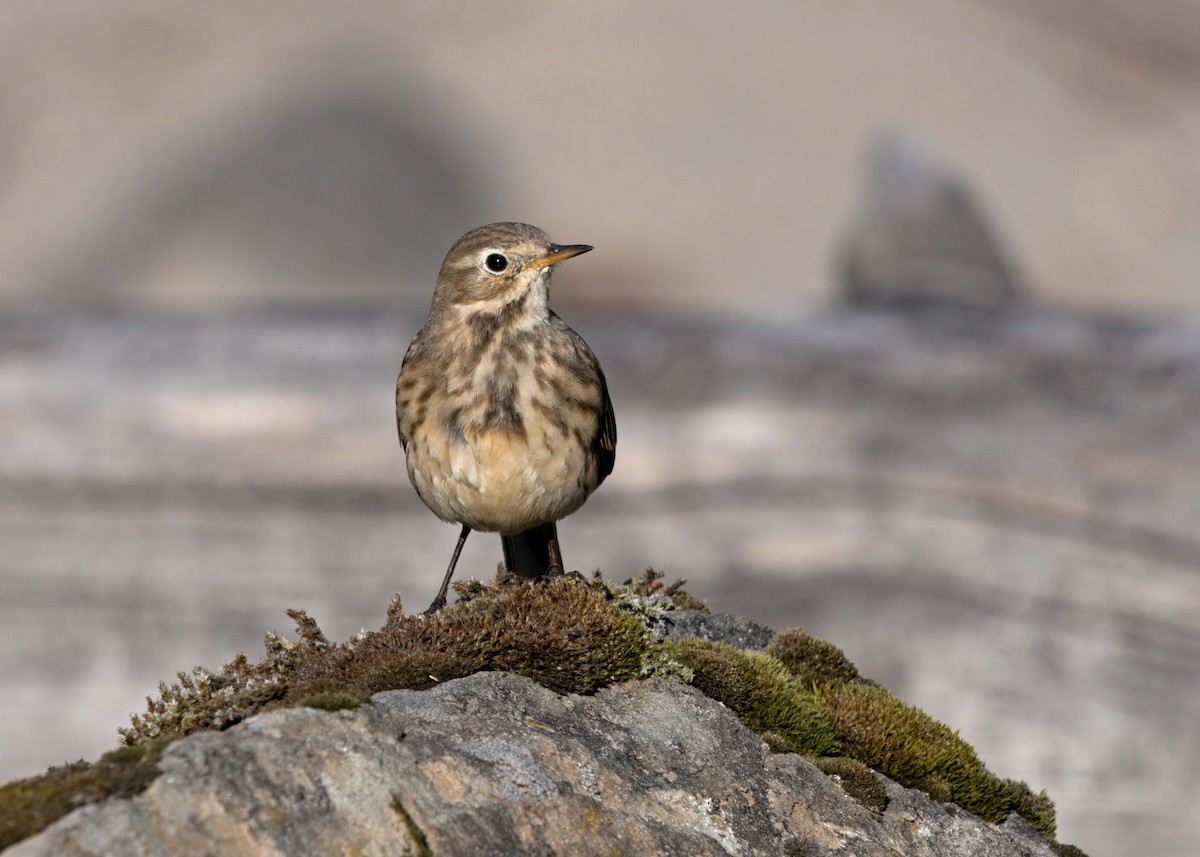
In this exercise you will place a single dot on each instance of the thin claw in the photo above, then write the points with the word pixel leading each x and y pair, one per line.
pixel 559 574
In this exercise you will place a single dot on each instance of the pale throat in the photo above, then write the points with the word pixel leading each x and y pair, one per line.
pixel 522 307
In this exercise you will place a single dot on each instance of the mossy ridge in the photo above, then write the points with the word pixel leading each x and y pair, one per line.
pixel 803 695
pixel 903 742
pixel 29 805
pixel 913 749
pixel 217 700
pixel 759 689
pixel 811 659
pixel 568 636
pixel 856 779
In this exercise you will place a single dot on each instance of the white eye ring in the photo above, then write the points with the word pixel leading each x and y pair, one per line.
pixel 495 263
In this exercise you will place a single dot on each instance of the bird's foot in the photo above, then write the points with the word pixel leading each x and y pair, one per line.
pixel 554 572
pixel 435 607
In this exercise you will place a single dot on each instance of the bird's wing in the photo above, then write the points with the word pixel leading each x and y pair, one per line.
pixel 605 444
pixel 413 349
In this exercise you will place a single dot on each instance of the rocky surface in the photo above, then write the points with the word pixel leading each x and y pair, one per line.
pixel 995 516
pixel 992 514
pixel 495 764
pixel 989 504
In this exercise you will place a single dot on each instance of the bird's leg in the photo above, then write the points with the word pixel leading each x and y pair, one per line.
pixel 555 570
pixel 440 600
pixel 555 553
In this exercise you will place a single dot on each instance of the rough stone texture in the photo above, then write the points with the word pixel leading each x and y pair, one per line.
pixel 494 764
pixel 718 627
pixel 994 516
pixel 997 522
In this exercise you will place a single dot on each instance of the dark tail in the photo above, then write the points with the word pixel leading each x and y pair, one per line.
pixel 533 552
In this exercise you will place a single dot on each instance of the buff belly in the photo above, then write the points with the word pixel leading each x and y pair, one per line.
pixel 500 481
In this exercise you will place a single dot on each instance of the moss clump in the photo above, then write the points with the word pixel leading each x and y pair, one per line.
pixel 856 779
pixel 761 692
pixel 916 751
pixel 569 636
pixel 566 635
pixel 572 636
pixel 217 700
pixel 903 742
pixel 1037 809
pixel 326 694
pixel 27 806
pixel 909 746
pixel 811 660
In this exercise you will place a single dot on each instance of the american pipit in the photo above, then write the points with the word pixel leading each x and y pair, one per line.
pixel 503 410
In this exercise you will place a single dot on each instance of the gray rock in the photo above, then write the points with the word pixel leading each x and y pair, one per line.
pixel 717 627
pixel 494 764
pixel 920 236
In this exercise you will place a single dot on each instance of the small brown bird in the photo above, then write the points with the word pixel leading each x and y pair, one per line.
pixel 502 409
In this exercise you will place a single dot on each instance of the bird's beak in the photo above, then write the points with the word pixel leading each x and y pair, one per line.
pixel 559 253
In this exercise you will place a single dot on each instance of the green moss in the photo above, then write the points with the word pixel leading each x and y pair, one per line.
pixel 915 750
pixel 910 747
pixel 903 742
pixel 569 636
pixel 1037 809
pixel 810 659
pixel 936 786
pixel 1067 850
pixel 801 695
pixel 217 700
pixel 28 806
pixel 777 741
pixel 856 779
pixel 761 692
pixel 326 694
pixel 565 635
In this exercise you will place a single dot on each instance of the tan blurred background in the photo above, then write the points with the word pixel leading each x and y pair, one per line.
pixel 220 225
pixel 197 155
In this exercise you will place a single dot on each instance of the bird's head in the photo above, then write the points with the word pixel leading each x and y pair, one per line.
pixel 498 267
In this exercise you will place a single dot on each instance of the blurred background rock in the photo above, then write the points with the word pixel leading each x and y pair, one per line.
pixel 220 225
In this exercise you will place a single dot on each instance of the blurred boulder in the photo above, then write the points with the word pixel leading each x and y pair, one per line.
pixel 337 199
pixel 920 236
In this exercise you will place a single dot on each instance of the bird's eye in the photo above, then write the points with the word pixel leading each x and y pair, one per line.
pixel 495 263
